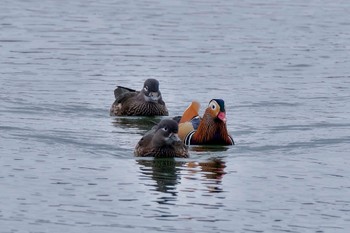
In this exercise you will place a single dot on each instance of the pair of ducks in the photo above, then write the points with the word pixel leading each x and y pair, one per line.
pixel 170 137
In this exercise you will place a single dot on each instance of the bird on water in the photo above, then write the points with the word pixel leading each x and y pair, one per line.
pixel 207 130
pixel 146 102
pixel 162 141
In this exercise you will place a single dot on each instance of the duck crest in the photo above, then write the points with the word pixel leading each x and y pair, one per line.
pixel 221 103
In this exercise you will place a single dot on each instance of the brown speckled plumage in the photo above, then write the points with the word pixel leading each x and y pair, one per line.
pixel 133 107
pixel 162 141
pixel 129 102
pixel 164 152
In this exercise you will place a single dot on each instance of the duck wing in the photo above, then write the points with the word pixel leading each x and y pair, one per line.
pixel 190 112
pixel 189 121
pixel 144 147
pixel 122 93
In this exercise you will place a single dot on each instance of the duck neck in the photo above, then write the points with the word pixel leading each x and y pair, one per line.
pixel 211 130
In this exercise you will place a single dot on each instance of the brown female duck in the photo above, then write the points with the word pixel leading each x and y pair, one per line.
pixel 162 141
pixel 147 102
pixel 210 129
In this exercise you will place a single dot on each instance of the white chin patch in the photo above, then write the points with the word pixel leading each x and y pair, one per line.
pixel 172 138
pixel 152 98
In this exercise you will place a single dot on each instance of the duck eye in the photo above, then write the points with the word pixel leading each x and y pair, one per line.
pixel 213 106
pixel 165 128
pixel 146 88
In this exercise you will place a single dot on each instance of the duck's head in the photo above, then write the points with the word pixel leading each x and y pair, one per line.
pixel 166 133
pixel 216 109
pixel 151 90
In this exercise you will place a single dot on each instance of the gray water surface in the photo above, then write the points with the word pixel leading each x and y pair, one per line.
pixel 282 68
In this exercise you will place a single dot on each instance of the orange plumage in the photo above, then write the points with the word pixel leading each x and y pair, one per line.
pixel 190 112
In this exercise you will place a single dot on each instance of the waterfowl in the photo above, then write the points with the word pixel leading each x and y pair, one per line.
pixel 147 102
pixel 162 141
pixel 210 129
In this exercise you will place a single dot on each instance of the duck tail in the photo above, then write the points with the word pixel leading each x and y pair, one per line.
pixel 120 91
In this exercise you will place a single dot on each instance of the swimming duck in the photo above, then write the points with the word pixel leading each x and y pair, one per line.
pixel 147 102
pixel 162 141
pixel 208 130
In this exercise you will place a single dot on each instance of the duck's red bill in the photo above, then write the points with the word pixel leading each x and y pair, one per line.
pixel 222 116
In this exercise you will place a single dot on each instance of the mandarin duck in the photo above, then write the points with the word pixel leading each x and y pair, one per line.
pixel 162 141
pixel 147 102
pixel 210 129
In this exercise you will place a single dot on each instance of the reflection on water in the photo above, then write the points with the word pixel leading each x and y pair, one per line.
pixel 281 66
pixel 209 148
pixel 140 123
pixel 164 171
pixel 211 171
pixel 167 173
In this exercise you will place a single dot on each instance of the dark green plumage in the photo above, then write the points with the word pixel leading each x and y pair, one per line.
pixel 221 104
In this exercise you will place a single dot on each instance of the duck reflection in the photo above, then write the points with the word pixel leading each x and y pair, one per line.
pixel 212 172
pixel 167 172
pixel 164 171
pixel 141 123
pixel 209 148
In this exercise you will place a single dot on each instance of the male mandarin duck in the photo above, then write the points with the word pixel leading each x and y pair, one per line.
pixel 147 102
pixel 208 130
pixel 162 141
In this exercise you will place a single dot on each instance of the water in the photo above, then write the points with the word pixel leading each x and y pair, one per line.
pixel 281 66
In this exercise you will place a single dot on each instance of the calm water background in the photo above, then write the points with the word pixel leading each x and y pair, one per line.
pixel 281 66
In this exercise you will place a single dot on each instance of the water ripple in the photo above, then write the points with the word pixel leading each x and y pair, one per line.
pixel 281 67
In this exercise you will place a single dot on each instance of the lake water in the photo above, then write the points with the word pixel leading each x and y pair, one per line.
pixel 282 67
